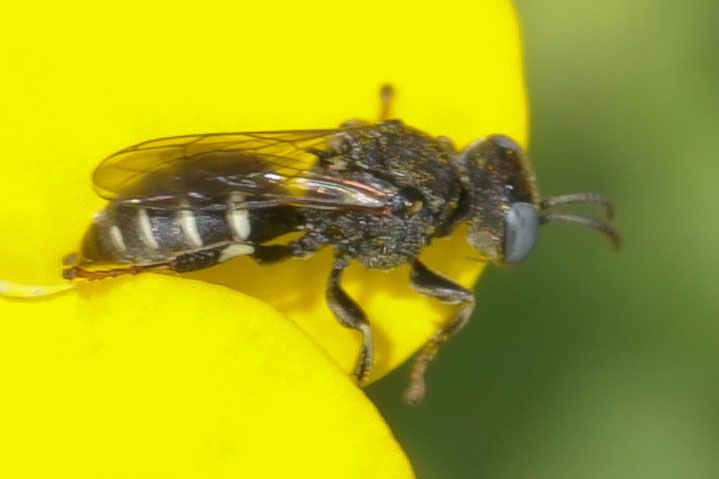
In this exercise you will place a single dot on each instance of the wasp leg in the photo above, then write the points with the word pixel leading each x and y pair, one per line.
pixel 182 263
pixel 386 93
pixel 354 123
pixel 446 290
pixel 274 253
pixel 76 272
pixel 350 315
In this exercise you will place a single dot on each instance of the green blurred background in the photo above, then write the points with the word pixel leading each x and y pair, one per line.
pixel 581 362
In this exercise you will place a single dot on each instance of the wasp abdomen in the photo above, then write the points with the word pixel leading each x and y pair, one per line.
pixel 128 234
pixel 189 238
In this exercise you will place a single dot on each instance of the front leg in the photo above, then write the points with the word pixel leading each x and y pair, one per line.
pixel 350 315
pixel 446 290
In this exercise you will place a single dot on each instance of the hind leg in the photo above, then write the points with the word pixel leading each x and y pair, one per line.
pixel 78 272
pixel 201 259
pixel 182 263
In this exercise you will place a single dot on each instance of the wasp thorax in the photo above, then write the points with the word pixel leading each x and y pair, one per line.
pixel 503 219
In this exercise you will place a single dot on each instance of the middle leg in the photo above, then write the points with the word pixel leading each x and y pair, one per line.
pixel 350 315
pixel 386 95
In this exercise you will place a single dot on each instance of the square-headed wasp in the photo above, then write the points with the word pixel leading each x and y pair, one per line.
pixel 376 193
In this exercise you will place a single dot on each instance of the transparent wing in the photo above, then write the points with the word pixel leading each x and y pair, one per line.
pixel 254 170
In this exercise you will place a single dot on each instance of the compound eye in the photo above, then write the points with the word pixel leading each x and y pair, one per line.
pixel 522 226
pixel 506 142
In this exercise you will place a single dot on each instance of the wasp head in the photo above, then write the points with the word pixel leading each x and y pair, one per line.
pixel 504 210
pixel 503 201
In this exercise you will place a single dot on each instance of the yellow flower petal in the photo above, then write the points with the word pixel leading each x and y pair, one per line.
pixel 97 87
pixel 80 84
pixel 147 378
